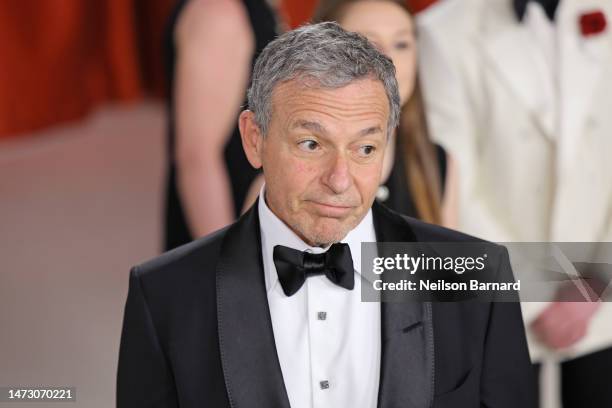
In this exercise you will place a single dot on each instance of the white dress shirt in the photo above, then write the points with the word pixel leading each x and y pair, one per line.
pixel 327 340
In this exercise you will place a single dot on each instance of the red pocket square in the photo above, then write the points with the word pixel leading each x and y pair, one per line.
pixel 593 23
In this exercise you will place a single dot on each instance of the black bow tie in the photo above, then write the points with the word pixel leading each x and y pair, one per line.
pixel 549 6
pixel 293 266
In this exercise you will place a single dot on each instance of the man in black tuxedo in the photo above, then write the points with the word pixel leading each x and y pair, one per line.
pixel 267 312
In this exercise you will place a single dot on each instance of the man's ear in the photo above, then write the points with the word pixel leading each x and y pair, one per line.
pixel 252 139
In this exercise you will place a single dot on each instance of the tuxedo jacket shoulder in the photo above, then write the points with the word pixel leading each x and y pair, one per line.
pixel 169 345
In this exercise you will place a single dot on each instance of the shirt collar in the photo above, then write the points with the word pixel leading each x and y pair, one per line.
pixel 276 232
pixel 549 6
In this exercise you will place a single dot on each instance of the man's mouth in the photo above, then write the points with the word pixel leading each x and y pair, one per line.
pixel 332 210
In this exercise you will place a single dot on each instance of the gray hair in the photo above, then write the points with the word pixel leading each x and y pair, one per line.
pixel 325 53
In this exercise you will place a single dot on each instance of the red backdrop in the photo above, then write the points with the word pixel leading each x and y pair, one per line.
pixel 61 59
pixel 58 63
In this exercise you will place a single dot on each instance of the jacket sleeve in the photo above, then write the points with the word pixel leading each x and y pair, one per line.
pixel 508 378
pixel 456 110
pixel 144 378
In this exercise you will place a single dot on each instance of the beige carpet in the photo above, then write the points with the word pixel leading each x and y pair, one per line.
pixel 79 204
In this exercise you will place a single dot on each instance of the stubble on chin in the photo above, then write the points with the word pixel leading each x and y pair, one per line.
pixel 319 231
pixel 322 232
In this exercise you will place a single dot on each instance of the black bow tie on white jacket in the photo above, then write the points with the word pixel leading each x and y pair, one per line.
pixel 549 6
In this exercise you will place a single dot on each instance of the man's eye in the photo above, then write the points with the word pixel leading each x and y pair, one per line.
pixel 308 145
pixel 366 151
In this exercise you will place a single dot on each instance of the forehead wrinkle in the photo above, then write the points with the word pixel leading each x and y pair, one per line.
pixel 334 106
pixel 297 119
pixel 323 132
pixel 317 127
pixel 300 103
pixel 372 130
pixel 311 125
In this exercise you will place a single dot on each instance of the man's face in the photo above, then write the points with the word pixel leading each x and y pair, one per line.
pixel 322 157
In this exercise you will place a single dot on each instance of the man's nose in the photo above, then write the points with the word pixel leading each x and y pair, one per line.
pixel 338 176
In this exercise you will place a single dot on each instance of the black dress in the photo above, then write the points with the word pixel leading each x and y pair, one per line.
pixel 241 174
pixel 395 193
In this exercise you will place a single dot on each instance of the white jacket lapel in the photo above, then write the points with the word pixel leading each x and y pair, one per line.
pixel 513 54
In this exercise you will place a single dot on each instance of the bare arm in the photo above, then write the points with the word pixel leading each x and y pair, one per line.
pixel 450 201
pixel 253 193
pixel 214 47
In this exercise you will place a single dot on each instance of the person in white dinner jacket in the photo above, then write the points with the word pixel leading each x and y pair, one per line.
pixel 519 92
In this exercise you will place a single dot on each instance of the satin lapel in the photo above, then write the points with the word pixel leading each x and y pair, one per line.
pixel 582 61
pixel 407 349
pixel 250 363
pixel 515 57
